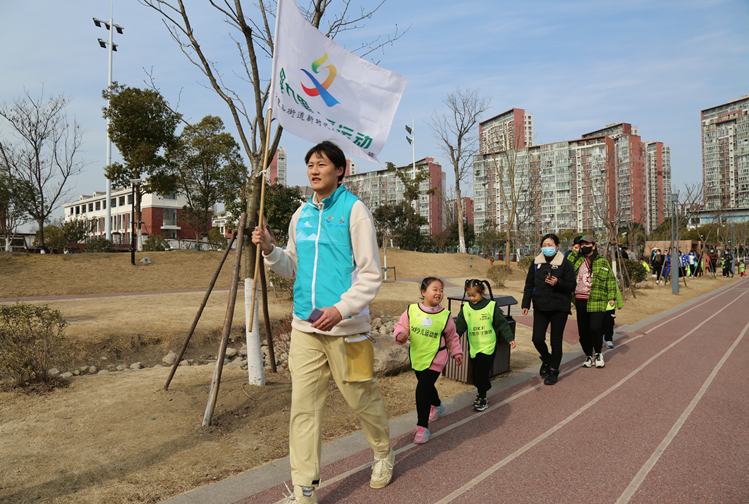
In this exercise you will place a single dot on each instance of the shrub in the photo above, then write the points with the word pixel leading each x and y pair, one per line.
pixel 31 338
pixel 498 274
pixel 217 239
pixel 280 283
pixel 156 243
pixel 100 244
pixel 637 272
pixel 525 263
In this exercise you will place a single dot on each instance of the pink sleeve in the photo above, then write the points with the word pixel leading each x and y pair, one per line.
pixel 401 327
pixel 452 339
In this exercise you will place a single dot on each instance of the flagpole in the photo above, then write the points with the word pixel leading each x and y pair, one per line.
pixel 252 307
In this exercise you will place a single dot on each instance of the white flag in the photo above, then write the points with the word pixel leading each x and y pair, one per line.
pixel 323 92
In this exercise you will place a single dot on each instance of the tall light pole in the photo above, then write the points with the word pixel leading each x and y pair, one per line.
pixel 112 47
pixel 674 267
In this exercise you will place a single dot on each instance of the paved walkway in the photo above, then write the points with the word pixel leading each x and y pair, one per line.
pixel 664 421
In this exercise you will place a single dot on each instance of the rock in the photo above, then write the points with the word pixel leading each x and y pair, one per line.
pixel 93 369
pixel 121 367
pixel 243 350
pixel 238 363
pixel 145 260
pixel 137 365
pixel 184 363
pixel 231 352
pixel 390 327
pixel 77 372
pixel 227 362
pixel 53 372
pixel 111 367
pixel 376 322
pixel 103 371
pixel 389 357
pixel 169 358
pixel 103 358
pixel 383 330
pixel 157 366
pixel 66 375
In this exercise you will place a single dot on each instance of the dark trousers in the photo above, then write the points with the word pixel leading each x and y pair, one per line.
pixel 481 370
pixel 608 325
pixel 657 270
pixel 541 321
pixel 426 395
pixel 590 327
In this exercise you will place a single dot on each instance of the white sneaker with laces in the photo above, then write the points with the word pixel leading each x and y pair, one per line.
pixel 382 470
pixel 588 362
pixel 599 361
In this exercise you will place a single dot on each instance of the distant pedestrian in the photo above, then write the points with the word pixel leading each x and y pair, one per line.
pixel 549 284
pixel 742 274
pixel 596 288
pixel 483 320
pixel 432 332
pixel 609 320
pixel 491 260
pixel 658 260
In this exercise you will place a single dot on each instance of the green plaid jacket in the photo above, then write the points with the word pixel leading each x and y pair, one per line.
pixel 603 286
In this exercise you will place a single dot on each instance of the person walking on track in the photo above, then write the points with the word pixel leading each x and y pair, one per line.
pixel 596 288
pixel 432 332
pixel 549 284
pixel 483 320
pixel 332 254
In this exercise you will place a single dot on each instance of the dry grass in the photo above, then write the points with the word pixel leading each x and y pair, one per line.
pixel 118 437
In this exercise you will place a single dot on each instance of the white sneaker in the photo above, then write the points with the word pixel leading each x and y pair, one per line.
pixel 588 362
pixel 609 344
pixel 382 470
pixel 297 497
pixel 599 360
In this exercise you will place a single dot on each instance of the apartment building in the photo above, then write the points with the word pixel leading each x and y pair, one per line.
pixel 725 155
pixel 277 167
pixel 658 186
pixel 160 214
pixel 451 211
pixel 382 187
pixel 512 129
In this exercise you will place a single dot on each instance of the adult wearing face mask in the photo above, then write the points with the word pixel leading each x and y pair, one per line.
pixel 550 282
pixel 595 290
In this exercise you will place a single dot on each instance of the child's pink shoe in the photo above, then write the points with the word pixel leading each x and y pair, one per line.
pixel 436 412
pixel 422 435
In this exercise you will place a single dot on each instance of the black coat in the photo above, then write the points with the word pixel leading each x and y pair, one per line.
pixel 557 298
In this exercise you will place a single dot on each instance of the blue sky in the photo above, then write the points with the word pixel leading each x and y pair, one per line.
pixel 576 65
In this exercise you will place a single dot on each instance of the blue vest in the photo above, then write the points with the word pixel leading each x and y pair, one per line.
pixel 325 259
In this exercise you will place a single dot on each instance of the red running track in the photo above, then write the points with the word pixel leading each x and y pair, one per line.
pixel 665 421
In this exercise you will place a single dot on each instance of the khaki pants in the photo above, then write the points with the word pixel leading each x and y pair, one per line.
pixel 312 359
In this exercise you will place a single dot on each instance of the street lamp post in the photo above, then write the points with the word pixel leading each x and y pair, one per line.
pixel 674 266
pixel 133 182
pixel 112 47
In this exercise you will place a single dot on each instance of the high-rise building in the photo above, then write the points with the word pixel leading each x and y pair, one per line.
pixel 658 175
pixel 512 129
pixel 383 187
pixel 277 168
pixel 725 155
pixel 629 159
pixel 350 167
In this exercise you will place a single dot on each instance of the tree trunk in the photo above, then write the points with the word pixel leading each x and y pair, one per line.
pixel 41 234
pixel 138 219
pixel 459 204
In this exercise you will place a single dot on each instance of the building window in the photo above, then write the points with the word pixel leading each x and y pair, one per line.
pixel 113 203
pixel 130 199
pixel 104 205
pixel 122 201
pixel 171 196
pixel 90 207
pixel 83 208
pixel 98 205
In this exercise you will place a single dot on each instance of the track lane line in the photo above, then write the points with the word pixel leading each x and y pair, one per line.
pixel 653 460
pixel 481 477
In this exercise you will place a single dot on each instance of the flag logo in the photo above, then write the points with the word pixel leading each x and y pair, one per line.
pixel 321 90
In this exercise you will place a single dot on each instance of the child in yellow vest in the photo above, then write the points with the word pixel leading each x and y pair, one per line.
pixel 483 320
pixel 432 331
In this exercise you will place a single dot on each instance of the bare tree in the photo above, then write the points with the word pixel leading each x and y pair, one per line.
pixel 44 154
pixel 253 37
pixel 505 145
pixel 456 130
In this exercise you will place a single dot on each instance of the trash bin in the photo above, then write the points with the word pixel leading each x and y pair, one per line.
pixel 502 356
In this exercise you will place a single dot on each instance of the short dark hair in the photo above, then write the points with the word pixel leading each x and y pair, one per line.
pixel 332 152
pixel 554 238
pixel 576 240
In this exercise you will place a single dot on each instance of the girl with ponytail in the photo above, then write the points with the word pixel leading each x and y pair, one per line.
pixel 483 320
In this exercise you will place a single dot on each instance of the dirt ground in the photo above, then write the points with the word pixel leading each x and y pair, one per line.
pixel 119 437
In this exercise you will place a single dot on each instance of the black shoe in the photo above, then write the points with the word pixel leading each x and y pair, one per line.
pixel 553 377
pixel 481 404
pixel 544 372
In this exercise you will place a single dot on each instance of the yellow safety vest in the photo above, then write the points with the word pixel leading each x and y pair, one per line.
pixel 481 336
pixel 426 333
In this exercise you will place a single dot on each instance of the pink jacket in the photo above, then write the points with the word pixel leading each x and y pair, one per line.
pixel 449 334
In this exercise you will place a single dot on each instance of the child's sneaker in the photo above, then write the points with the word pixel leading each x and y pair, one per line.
pixel 599 360
pixel 476 402
pixel 436 412
pixel 588 362
pixel 609 344
pixel 298 496
pixel 422 435
pixel 481 405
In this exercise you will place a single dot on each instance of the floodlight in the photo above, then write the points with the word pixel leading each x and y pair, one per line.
pixel 118 28
pixel 114 47
pixel 102 43
pixel 97 22
pixel 410 131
